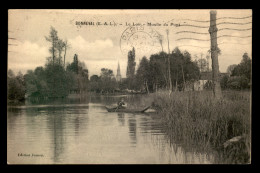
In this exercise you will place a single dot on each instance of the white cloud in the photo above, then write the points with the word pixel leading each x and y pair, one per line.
pixel 26 55
pixel 93 50
pixel 97 54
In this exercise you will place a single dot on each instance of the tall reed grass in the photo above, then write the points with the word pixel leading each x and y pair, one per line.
pixel 197 118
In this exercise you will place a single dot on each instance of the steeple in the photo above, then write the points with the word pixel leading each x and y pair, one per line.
pixel 118 74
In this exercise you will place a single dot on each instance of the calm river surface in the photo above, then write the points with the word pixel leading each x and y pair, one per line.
pixel 83 132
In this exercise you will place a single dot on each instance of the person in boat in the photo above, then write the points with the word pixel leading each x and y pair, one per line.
pixel 120 104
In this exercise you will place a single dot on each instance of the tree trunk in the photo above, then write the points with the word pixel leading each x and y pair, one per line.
pixel 169 66
pixel 65 55
pixel 214 55
pixel 184 85
pixel 147 87
pixel 176 83
pixel 59 56
pixel 53 54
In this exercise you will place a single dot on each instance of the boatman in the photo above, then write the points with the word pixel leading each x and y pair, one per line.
pixel 120 104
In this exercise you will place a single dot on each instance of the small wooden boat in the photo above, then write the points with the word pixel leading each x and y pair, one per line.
pixel 127 110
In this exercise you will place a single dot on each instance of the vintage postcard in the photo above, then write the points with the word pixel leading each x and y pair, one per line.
pixel 129 86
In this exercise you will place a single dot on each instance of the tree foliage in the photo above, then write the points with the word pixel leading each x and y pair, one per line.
pixel 240 75
pixel 202 64
pixel 153 72
pixel 54 80
pixel 105 83
pixel 143 74
pixel 131 64
pixel 231 68
pixel 15 86
pixel 244 68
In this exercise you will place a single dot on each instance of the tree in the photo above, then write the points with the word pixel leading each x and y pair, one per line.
pixel 53 38
pixel 183 69
pixel 106 73
pixel 130 72
pixel 169 64
pixel 74 65
pixel 81 75
pixel 158 71
pixel 31 84
pixel 15 87
pixel 224 82
pixel 108 82
pixel 231 68
pixel 66 46
pixel 95 83
pixel 131 64
pixel 58 80
pixel 143 74
pixel 243 72
pixel 202 64
pixel 244 68
pixel 10 73
pixel 60 48
pixel 214 55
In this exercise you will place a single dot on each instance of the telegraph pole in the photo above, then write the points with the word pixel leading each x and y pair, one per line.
pixel 214 55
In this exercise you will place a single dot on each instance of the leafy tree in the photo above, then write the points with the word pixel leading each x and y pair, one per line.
pixel 130 71
pixel 224 82
pixel 158 71
pixel 143 74
pixel 57 80
pixel 53 39
pixel 183 69
pixel 244 68
pixel 66 46
pixel 108 81
pixel 106 73
pixel 131 64
pixel 57 47
pixel 60 47
pixel 15 87
pixel 31 84
pixel 74 65
pixel 81 74
pixel 231 68
pixel 202 64
pixel 191 70
pixel 95 83
pixel 243 72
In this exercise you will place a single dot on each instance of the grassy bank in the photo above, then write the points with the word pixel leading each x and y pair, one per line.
pixel 196 118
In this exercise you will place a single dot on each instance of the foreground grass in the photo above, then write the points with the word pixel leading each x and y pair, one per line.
pixel 196 118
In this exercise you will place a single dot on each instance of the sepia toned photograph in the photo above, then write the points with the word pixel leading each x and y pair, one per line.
pixel 129 86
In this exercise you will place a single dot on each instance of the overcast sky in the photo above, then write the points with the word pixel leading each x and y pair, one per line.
pixel 99 46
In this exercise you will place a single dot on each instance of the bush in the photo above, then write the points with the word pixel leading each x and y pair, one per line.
pixel 238 82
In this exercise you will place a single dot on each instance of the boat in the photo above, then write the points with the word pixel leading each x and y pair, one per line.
pixel 127 110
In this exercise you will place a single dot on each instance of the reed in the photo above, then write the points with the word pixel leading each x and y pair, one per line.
pixel 197 118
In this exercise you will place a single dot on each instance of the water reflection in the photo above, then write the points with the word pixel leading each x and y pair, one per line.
pixel 132 130
pixel 63 122
pixel 121 118
pixel 82 131
pixel 59 139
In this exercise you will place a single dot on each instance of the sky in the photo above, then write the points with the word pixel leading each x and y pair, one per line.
pixel 103 46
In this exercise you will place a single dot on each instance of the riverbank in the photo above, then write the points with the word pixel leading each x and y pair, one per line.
pixel 196 118
pixel 15 102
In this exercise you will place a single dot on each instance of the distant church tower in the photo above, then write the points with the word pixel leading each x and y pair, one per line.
pixel 118 74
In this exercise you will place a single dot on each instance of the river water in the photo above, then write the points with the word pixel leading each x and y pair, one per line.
pixel 81 131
